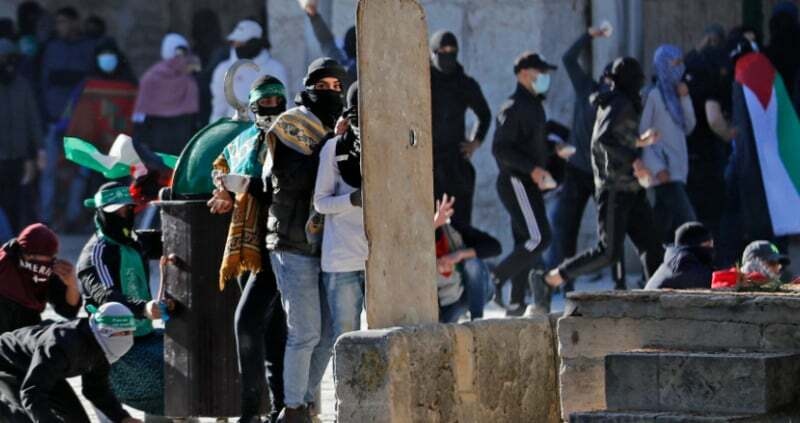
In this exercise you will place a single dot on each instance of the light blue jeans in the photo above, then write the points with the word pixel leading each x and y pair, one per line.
pixel 475 276
pixel 345 295
pixel 310 333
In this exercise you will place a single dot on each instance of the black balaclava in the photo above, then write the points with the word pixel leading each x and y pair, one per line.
pixel 350 43
pixel 116 227
pixel 267 86
pixel 446 63
pixel 628 78
pixel 348 149
pixel 250 49
pixel 95 27
pixel 325 104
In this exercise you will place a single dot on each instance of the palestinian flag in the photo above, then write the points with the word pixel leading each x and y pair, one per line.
pixel 774 137
pixel 121 161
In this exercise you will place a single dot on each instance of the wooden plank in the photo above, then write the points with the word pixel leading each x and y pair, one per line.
pixel 395 113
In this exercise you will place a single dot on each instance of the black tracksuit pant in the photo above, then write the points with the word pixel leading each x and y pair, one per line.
pixel 531 232
pixel 260 335
pixel 619 213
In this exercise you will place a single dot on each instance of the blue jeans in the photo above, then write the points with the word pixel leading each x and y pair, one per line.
pixel 475 296
pixel 310 333
pixel 345 295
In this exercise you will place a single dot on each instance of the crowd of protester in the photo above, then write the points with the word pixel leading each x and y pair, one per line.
pixel 660 160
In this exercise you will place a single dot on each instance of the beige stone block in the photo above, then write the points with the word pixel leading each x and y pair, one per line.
pixel 596 337
pixel 582 385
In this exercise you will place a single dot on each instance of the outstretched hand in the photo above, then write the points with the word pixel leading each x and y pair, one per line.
pixel 444 211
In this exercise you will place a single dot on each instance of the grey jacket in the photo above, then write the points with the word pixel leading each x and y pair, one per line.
pixel 670 152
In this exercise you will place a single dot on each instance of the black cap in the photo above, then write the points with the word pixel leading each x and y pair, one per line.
pixel 692 234
pixel 531 60
pixel 324 67
pixel 443 39
pixel 765 251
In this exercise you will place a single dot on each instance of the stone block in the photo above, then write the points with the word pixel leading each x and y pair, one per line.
pixel 581 385
pixel 653 417
pixel 489 370
pixel 743 383
pixel 596 337
pixel 631 381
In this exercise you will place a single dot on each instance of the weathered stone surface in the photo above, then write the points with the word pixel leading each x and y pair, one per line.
pixel 598 324
pixel 596 337
pixel 395 116
pixel 632 381
pixel 490 370
pixel 582 385
pixel 650 417
pixel 745 383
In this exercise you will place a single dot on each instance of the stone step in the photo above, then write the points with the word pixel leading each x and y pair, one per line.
pixel 669 417
pixel 696 382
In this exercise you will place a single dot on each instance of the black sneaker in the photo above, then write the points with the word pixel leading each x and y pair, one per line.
pixel 516 310
pixel 497 288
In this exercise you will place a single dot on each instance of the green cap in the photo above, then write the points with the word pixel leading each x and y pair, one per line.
pixel 267 90
pixel 110 199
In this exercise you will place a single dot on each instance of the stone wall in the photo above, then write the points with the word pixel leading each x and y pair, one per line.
pixel 485 371
pixel 596 325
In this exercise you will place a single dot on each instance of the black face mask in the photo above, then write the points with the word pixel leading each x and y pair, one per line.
pixel 446 62
pixel 348 157
pixel 326 104
pixel 115 226
pixel 249 50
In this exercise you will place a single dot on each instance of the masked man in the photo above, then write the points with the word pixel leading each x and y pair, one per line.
pixel 31 277
pixel 113 267
pixel 37 360
pixel 453 93
pixel 260 320
pixel 294 231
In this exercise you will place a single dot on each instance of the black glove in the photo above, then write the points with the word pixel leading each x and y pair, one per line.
pixel 355 198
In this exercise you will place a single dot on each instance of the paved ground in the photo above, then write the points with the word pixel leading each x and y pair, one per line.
pixel 71 246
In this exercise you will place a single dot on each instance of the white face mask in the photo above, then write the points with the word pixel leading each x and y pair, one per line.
pixel 542 83
pixel 114 347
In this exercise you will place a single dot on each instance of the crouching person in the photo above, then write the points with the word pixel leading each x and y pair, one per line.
pixel 113 267
pixel 36 361
pixel 462 276
pixel 31 277
pixel 688 263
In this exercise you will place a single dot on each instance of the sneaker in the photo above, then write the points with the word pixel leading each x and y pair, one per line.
pixel 515 310
pixel 294 415
pixel 535 311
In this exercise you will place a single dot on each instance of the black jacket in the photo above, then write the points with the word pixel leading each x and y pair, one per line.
pixel 520 138
pixel 614 150
pixel 293 177
pixel 98 273
pixel 683 268
pixel 41 356
pixel 451 96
